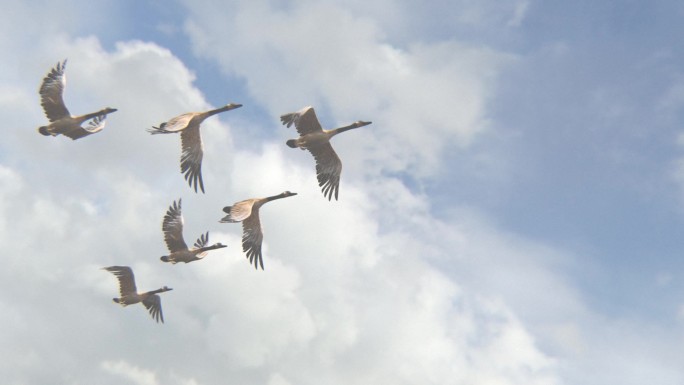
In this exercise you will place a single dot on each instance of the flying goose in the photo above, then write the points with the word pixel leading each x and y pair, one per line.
pixel 173 236
pixel 314 138
pixel 129 293
pixel 61 121
pixel 191 141
pixel 247 212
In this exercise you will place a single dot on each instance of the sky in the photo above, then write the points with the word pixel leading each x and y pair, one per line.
pixel 512 216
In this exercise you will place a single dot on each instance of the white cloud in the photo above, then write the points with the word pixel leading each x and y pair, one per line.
pixel 277 379
pixel 422 98
pixel 362 304
pixel 519 12
pixel 370 289
pixel 337 303
pixel 130 372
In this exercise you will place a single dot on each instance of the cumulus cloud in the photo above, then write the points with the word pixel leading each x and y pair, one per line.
pixel 422 98
pixel 134 374
pixel 78 206
pixel 370 289
pixel 338 304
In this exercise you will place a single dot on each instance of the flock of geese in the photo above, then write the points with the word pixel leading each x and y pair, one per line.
pixel 312 137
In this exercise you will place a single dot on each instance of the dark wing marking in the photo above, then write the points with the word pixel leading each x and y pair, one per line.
pixel 328 169
pixel 172 226
pixel 126 279
pixel 191 157
pixel 51 91
pixel 153 305
pixel 202 240
pixel 252 237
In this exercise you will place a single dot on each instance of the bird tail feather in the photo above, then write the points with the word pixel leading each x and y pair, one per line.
pixel 44 130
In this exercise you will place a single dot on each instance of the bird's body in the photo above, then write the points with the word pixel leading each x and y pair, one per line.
pixel 188 125
pixel 314 138
pixel 129 293
pixel 247 212
pixel 311 140
pixel 172 226
pixel 61 121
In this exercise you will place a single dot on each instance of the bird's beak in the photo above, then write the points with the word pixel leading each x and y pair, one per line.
pixel 364 123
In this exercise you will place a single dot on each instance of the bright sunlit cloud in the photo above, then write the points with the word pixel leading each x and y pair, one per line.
pixel 402 280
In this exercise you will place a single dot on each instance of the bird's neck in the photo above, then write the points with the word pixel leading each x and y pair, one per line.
pixel 274 197
pixel 212 247
pixel 218 110
pixel 342 129
pixel 93 114
pixel 163 289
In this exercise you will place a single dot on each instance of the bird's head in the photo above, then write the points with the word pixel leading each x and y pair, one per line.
pixel 232 106
pixel 288 193
pixel 109 110
pixel 361 123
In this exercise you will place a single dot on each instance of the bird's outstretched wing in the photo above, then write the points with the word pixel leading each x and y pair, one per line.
pixel 191 156
pixel 153 305
pixel 179 123
pixel 202 240
pixel 172 226
pixel 328 169
pixel 238 212
pixel 304 120
pixel 252 236
pixel 51 91
pixel 96 124
pixel 126 279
